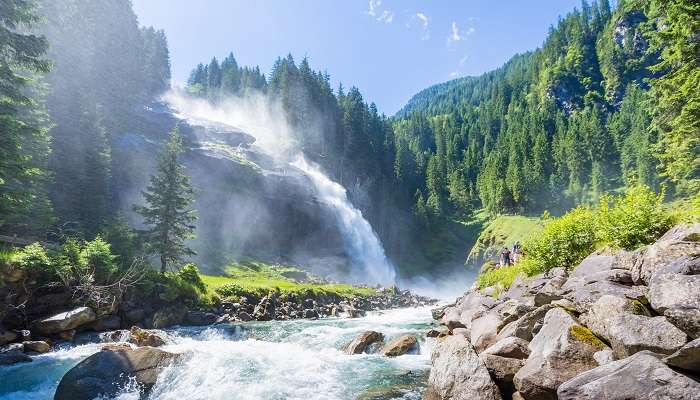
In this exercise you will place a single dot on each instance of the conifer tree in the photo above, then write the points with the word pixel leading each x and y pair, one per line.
pixel 168 212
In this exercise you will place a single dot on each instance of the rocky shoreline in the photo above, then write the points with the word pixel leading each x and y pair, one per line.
pixel 621 325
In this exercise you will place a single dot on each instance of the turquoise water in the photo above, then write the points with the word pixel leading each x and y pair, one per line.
pixel 275 360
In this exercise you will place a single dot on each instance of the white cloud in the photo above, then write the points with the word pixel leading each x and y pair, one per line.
pixel 373 5
pixel 387 17
pixel 425 21
pixel 463 60
pixel 455 32
pixel 453 74
pixel 374 11
pixel 458 34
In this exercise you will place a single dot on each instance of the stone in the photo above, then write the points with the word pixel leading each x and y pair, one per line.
pixel 65 321
pixel 244 316
pixel 200 318
pixel 439 331
pixel 105 373
pixel 473 303
pixel 147 337
pixel 523 327
pixel 67 336
pixel 687 357
pixel 401 345
pixel 463 332
pixel 681 240
pixel 360 343
pixel 502 370
pixel 13 357
pixel 36 346
pixel 484 330
pixel 7 336
pixel 510 347
pixel 641 377
pixel 674 291
pixel 135 315
pixel 265 310
pixel 550 291
pixel 310 313
pixel 458 373
pixel 603 357
pixel 167 317
pixel 561 350
pixel 107 323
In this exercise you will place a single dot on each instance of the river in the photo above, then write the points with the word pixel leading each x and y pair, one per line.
pixel 277 360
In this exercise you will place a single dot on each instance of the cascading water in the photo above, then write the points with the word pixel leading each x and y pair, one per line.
pixel 277 360
pixel 363 244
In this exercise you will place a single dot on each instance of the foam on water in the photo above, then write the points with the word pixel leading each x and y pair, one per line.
pixel 291 360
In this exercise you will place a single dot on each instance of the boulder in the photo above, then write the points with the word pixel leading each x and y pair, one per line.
pixel 438 313
pixel 641 377
pixel 244 316
pixel 502 370
pixel 458 373
pixel 550 291
pixel 7 336
pixel 627 326
pixel 484 330
pixel 106 323
pixel 360 344
pixel 681 240
pixel 135 315
pixel 510 347
pixel 200 318
pixel 400 346
pixel 167 317
pixel 687 357
pixel 36 346
pixel 461 314
pixel 65 321
pixel 147 337
pixel 105 373
pixel 561 350
pixel 674 291
pixel 265 310
pixel 523 327
pixel 310 313
pixel 439 331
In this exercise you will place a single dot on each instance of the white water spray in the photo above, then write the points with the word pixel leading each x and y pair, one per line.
pixel 265 120
pixel 362 243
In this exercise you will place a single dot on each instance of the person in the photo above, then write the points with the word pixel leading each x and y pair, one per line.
pixel 505 257
pixel 516 252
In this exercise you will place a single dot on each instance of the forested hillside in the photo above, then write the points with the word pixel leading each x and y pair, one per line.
pixel 606 102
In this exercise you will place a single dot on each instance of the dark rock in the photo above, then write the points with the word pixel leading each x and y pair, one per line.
pixel 64 321
pixel 107 323
pixel 310 313
pixel 458 373
pixel 502 371
pixel 135 316
pixel 36 346
pixel 401 345
pixel 13 354
pixel 244 316
pixel 147 337
pixel 360 344
pixel 7 336
pixel 641 377
pixel 265 310
pixel 167 317
pixel 440 331
pixel 105 373
pixel 200 318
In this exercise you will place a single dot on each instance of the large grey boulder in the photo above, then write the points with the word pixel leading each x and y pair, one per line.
pixel 687 357
pixel 674 291
pixel 401 345
pixel 510 347
pixel 360 344
pixel 105 373
pixel 627 326
pixel 502 370
pixel 65 321
pixel 550 291
pixel 561 350
pixel 525 326
pixel 681 240
pixel 461 314
pixel 641 377
pixel 484 330
pixel 458 373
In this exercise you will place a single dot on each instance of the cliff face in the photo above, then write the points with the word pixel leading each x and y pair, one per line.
pixel 599 331
pixel 248 204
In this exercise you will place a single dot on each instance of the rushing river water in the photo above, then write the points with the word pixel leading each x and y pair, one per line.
pixel 275 360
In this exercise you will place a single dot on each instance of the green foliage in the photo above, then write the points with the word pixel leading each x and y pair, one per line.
pixel 563 242
pixel 168 212
pixel 96 257
pixel 632 220
pixel 184 286
pixel 499 277
pixel 32 258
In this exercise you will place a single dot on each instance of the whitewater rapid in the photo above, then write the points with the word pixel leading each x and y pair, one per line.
pixel 290 360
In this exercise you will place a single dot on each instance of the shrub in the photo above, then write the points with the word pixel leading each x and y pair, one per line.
pixel 97 258
pixel 632 220
pixel 190 274
pixel 32 258
pixel 563 242
pixel 501 277
pixel 184 286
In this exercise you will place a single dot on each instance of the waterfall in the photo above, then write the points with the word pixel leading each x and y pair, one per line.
pixel 361 242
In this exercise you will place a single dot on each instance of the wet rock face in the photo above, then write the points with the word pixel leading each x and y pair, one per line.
pixel 106 372
pixel 361 343
pixel 65 321
pixel 642 377
pixel 458 373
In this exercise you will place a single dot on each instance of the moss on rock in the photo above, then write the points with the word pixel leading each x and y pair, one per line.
pixel 583 334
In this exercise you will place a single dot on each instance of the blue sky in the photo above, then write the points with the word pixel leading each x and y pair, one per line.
pixel 390 49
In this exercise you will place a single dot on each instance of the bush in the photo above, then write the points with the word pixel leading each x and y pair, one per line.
pixel 632 220
pixel 563 242
pixel 33 258
pixel 501 277
pixel 97 258
pixel 184 286
pixel 190 274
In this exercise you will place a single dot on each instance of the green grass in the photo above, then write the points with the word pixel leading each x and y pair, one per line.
pixel 6 255
pixel 503 231
pixel 500 278
pixel 260 278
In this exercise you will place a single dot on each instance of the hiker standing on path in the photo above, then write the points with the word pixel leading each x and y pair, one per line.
pixel 517 249
pixel 504 259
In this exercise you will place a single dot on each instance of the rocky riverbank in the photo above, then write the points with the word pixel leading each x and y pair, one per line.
pixel 621 325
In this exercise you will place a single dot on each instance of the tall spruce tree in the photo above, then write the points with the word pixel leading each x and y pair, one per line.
pixel 168 212
pixel 23 143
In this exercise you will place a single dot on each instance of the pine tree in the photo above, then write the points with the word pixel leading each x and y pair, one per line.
pixel 169 197
pixel 23 144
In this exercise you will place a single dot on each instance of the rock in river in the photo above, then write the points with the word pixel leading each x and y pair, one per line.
pixel 400 346
pixel 359 344
pixel 104 373
pixel 65 321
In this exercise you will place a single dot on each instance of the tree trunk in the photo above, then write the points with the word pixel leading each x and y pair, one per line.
pixel 162 264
